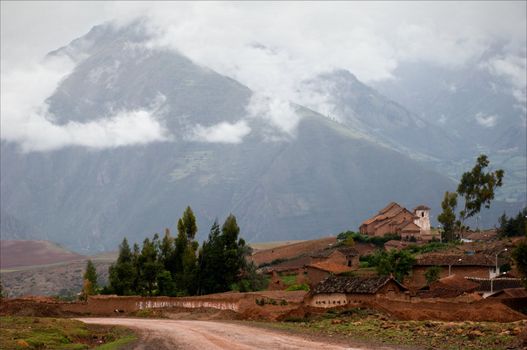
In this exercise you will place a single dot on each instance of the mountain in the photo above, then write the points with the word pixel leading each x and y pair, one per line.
pixel 325 177
pixel 360 107
pixel 473 103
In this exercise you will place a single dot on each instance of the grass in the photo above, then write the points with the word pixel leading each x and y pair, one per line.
pixel 60 334
pixel 368 326
pixel 288 279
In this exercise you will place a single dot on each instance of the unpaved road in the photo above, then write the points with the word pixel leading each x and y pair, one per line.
pixel 210 335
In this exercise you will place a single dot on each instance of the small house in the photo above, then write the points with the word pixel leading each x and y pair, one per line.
pixel 337 291
pixel 475 265
pixel 316 272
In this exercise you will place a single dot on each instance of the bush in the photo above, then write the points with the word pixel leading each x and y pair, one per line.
pixel 432 274
pixel 294 287
pixel 357 237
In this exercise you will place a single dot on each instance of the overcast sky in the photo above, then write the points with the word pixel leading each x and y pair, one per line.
pixel 270 47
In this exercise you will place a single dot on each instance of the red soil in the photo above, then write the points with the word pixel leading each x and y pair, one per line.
pixel 292 250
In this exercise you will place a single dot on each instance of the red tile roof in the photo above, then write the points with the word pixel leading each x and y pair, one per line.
pixel 455 282
pixel 455 260
pixel 330 267
pixel 354 285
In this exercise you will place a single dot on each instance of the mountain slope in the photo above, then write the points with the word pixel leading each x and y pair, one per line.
pixel 323 179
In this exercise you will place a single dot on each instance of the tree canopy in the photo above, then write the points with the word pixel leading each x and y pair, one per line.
pixel 174 266
pixel 477 187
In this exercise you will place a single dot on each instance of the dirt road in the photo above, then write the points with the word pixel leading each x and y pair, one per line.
pixel 209 335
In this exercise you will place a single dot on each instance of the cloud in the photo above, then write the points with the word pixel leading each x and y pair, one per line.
pixel 487 121
pixel 27 121
pixel 512 68
pixel 275 47
pixel 279 113
pixel 223 132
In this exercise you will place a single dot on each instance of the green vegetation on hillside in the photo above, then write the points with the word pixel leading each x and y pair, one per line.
pixel 357 237
pixel 56 334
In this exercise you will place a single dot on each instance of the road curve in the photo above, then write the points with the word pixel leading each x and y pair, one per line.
pixel 211 335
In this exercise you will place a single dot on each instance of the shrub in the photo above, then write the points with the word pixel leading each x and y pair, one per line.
pixel 294 287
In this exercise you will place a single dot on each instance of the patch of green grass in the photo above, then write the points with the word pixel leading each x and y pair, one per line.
pixel 294 287
pixel 56 333
pixel 288 279
pixel 117 344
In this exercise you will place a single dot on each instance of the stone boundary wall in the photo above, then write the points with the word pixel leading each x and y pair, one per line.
pixel 123 304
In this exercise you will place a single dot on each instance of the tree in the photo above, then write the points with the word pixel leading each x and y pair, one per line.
pixel 187 224
pixel 149 266
pixel 477 187
pixel 234 258
pixel 122 273
pixel 519 255
pixel 513 226
pixel 432 274
pixel 397 263
pixel 91 275
pixel 166 249
pixel 448 217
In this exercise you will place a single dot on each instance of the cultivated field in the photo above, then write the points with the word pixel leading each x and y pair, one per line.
pixel 292 250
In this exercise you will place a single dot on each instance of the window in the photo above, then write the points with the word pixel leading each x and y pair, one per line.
pixel 349 263
pixel 423 214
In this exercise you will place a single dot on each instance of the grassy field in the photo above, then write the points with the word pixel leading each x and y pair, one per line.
pixel 366 326
pixel 60 334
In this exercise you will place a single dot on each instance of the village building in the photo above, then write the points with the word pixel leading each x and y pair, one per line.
pixel 316 272
pixel 475 265
pixel 481 236
pixel 337 291
pixel 449 287
pixel 398 220
pixel 347 256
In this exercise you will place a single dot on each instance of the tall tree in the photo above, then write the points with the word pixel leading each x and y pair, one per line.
pixel 150 266
pixel 122 273
pixel 91 275
pixel 211 262
pixel 232 254
pixel 166 249
pixel 187 224
pixel 448 217
pixel 477 187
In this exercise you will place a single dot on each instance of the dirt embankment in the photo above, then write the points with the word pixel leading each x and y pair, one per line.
pixel 444 310
pixel 270 305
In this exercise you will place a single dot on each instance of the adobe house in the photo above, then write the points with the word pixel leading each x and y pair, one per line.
pixel 396 219
pixel 476 265
pixel 337 291
pixel 316 272
pixel 449 287
pixel 347 256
